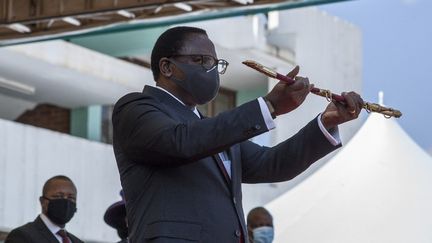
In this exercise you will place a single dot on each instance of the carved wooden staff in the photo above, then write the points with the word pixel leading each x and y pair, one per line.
pixel 369 107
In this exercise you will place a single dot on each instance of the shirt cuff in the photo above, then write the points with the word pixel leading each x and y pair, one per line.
pixel 266 114
pixel 332 135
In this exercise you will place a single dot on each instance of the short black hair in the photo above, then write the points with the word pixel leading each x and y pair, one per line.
pixel 169 43
pixel 257 210
pixel 54 178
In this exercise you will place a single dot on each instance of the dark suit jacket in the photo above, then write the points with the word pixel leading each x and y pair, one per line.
pixel 174 190
pixel 35 232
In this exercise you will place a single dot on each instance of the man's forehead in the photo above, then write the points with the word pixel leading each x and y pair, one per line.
pixel 261 216
pixel 61 186
pixel 198 44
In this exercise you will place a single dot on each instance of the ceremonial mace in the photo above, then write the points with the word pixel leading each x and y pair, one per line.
pixel 369 107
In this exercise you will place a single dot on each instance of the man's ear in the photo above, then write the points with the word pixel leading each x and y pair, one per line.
pixel 43 205
pixel 165 67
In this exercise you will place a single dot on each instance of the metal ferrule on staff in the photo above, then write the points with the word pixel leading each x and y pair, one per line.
pixel 369 107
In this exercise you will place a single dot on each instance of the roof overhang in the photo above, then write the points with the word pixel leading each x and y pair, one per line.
pixel 85 21
pixel 61 73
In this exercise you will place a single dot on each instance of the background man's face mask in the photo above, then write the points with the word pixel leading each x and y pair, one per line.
pixel 263 234
pixel 60 211
pixel 201 84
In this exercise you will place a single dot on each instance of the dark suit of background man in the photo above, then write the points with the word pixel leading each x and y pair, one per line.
pixel 181 172
pixel 58 202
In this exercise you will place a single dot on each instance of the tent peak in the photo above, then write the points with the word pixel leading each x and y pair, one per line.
pixel 381 98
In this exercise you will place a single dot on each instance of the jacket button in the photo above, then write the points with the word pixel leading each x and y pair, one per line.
pixel 257 127
pixel 237 233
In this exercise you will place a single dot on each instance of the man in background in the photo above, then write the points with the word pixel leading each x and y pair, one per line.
pixel 260 226
pixel 58 202
pixel 115 216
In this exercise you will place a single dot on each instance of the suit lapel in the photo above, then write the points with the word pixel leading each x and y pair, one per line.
pixel 220 164
pixel 185 114
pixel 44 231
pixel 171 104
pixel 222 170
pixel 73 238
pixel 235 169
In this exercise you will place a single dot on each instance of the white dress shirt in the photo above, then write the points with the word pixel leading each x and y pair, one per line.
pixel 52 227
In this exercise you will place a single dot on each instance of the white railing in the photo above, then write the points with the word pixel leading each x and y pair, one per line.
pixel 30 155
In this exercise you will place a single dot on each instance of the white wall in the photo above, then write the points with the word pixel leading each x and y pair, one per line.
pixel 236 32
pixel 328 51
pixel 11 108
pixel 29 156
pixel 69 75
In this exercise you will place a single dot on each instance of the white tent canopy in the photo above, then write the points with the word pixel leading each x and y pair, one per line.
pixel 378 188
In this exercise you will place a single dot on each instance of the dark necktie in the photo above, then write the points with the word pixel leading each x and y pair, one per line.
pixel 65 238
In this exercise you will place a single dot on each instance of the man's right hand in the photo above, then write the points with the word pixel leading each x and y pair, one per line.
pixel 286 98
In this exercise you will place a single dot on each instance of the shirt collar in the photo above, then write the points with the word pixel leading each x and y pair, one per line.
pixel 195 110
pixel 49 224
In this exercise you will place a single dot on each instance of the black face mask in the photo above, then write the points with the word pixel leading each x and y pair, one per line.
pixel 201 84
pixel 61 211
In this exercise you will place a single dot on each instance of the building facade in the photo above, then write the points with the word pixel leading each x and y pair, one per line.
pixel 56 110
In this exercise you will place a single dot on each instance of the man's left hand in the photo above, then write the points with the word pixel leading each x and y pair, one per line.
pixel 337 113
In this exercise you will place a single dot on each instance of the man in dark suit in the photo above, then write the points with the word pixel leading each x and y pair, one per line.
pixel 181 172
pixel 58 202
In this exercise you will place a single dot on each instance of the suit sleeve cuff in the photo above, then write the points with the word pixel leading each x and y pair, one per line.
pixel 332 135
pixel 266 114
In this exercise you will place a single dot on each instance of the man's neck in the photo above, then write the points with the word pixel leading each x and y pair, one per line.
pixel 194 109
pixel 177 97
pixel 177 92
pixel 168 92
pixel 53 227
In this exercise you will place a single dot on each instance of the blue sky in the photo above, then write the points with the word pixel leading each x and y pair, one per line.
pixel 397 57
